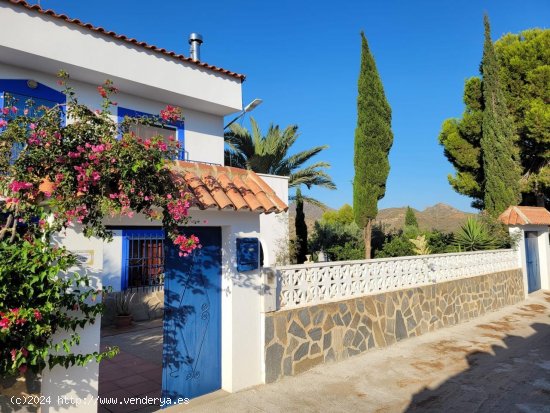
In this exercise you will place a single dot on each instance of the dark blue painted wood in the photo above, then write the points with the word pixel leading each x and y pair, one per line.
pixel 532 256
pixel 248 254
pixel 192 318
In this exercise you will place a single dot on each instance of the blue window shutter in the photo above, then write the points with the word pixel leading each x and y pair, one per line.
pixel 179 125
pixel 41 91
pixel 248 254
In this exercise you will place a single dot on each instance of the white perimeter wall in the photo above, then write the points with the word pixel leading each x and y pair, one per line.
pixel 203 131
pixel 242 320
pixel 543 245
pixel 78 383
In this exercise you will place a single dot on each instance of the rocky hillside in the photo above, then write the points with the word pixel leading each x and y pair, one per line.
pixel 441 216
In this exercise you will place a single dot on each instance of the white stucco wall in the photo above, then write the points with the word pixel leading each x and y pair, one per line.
pixel 274 227
pixel 29 39
pixel 518 232
pixel 203 133
pixel 242 344
pixel 242 326
pixel 72 389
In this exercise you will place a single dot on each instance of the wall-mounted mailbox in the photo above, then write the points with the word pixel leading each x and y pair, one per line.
pixel 248 254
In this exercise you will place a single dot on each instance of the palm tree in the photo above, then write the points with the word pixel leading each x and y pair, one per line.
pixel 269 155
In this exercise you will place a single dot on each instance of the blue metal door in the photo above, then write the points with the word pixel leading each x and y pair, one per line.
pixel 192 318
pixel 532 256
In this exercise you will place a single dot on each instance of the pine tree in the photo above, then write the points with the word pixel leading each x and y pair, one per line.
pixel 373 141
pixel 301 229
pixel 410 218
pixel 524 59
pixel 499 152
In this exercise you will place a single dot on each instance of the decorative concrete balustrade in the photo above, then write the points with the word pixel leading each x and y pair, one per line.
pixel 310 284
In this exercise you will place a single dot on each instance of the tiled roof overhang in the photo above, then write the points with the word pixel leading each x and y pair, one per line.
pixel 124 38
pixel 227 188
pixel 524 215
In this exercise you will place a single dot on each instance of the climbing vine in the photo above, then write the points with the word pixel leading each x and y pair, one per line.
pixel 72 167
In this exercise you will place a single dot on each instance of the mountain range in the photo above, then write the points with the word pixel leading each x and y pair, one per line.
pixel 440 217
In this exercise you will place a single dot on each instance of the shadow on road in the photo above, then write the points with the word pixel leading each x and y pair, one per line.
pixel 516 378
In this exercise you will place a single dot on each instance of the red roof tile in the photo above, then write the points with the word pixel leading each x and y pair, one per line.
pixel 224 187
pixel 114 35
pixel 524 215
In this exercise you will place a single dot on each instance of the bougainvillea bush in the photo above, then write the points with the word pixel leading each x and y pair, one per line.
pixel 74 170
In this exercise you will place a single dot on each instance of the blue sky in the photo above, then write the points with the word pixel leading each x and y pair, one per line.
pixel 302 59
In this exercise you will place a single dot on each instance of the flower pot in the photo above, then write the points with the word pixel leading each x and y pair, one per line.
pixel 27 385
pixel 123 321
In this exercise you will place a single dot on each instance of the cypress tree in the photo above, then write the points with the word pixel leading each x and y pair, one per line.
pixel 410 218
pixel 498 148
pixel 301 229
pixel 373 140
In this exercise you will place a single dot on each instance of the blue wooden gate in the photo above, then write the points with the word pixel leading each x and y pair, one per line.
pixel 192 318
pixel 532 256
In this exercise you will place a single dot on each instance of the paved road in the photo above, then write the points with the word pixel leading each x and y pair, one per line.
pixel 497 363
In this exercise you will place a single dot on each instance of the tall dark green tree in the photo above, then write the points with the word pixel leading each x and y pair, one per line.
pixel 410 218
pixel 498 142
pixel 301 228
pixel 373 141
pixel 524 74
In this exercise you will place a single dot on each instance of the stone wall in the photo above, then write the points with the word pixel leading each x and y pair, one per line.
pixel 298 339
pixel 145 305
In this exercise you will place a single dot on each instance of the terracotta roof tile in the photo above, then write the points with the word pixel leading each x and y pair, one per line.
pixel 203 199
pixel 232 192
pixel 247 194
pixel 224 187
pixel 122 37
pixel 524 215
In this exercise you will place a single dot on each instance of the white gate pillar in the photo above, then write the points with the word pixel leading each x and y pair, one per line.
pixel 536 221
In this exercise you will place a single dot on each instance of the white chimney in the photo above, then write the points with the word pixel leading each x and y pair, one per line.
pixel 195 41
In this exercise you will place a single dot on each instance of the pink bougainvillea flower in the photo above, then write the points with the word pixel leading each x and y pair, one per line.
pixel 23 368
pixel 3 123
pixel 17 186
pixel 37 315
pixel 24 351
pixel 4 322
pixel 13 353
pixel 170 113
pixel 102 91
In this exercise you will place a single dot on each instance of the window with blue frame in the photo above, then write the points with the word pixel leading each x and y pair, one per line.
pixel 30 95
pixel 164 129
pixel 142 258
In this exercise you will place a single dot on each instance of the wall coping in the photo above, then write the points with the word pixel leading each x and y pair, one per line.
pixel 376 260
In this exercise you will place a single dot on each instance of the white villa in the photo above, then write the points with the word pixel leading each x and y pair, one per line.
pixel 234 212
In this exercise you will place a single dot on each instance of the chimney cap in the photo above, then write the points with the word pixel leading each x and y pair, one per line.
pixel 195 37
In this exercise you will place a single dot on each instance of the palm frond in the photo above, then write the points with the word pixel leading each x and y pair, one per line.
pixel 311 176
pixel 295 161
pixel 235 159
pixel 310 200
